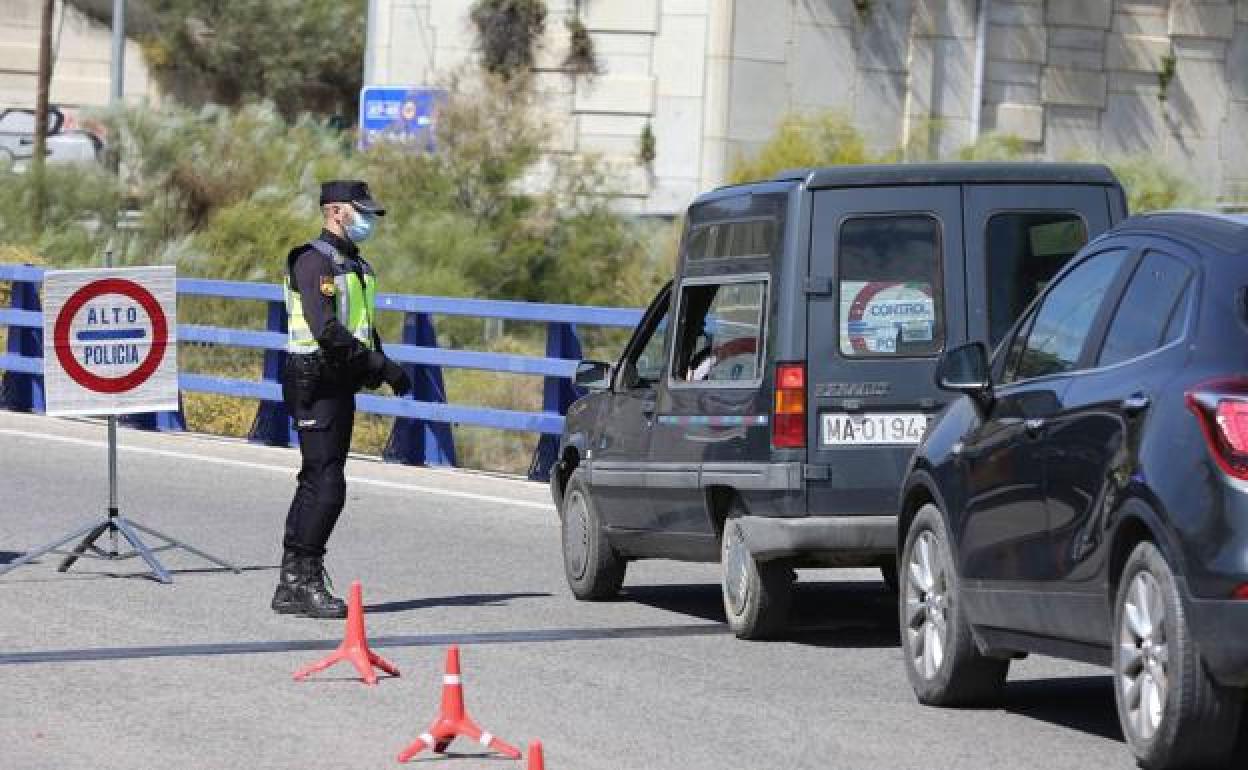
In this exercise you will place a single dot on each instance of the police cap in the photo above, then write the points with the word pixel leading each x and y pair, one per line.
pixel 351 191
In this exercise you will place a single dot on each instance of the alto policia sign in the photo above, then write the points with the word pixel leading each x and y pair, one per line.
pixel 110 341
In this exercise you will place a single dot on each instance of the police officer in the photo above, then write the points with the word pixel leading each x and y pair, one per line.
pixel 334 350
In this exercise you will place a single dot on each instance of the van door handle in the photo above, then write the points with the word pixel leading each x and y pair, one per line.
pixel 1135 404
pixel 1033 426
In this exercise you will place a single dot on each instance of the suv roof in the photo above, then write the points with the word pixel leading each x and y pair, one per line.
pixel 950 173
pixel 1225 232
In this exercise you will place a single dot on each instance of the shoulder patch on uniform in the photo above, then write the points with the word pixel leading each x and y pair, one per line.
pixel 328 287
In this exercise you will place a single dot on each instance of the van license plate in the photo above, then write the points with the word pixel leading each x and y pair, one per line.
pixel 843 429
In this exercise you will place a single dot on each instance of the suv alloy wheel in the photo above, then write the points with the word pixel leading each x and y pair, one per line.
pixel 1172 714
pixel 942 662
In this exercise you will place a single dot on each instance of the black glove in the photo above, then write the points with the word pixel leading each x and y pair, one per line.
pixel 396 378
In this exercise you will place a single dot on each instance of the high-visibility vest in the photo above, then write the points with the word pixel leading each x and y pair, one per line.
pixel 356 300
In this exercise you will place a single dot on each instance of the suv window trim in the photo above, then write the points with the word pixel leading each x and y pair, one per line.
pixel 940 274
pixel 1100 323
pixel 678 292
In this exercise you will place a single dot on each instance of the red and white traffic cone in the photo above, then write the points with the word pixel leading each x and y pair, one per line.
pixel 354 647
pixel 453 720
pixel 536 760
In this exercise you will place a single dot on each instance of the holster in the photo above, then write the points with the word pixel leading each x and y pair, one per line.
pixel 307 384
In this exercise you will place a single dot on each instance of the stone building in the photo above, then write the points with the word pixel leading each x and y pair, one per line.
pixel 82 54
pixel 713 77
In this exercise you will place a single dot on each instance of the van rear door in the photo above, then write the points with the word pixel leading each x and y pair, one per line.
pixel 1017 238
pixel 888 294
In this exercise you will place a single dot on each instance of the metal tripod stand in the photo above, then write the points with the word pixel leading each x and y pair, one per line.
pixel 114 524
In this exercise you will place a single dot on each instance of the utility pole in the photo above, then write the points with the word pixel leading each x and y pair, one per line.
pixel 44 78
pixel 119 51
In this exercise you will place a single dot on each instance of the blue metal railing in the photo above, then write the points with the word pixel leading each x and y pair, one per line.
pixel 421 434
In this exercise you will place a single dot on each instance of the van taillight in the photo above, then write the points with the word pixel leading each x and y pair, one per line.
pixel 788 420
pixel 1222 408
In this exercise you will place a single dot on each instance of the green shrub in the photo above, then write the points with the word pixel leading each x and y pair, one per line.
pixel 802 141
pixel 83 203
pixel 1153 185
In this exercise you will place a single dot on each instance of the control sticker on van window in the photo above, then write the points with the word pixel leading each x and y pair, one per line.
pixel 878 316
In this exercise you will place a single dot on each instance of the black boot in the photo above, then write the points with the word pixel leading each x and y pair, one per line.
pixel 315 600
pixel 285 598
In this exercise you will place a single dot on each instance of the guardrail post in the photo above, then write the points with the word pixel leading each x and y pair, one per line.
pixel 421 442
pixel 272 424
pixel 19 391
pixel 558 393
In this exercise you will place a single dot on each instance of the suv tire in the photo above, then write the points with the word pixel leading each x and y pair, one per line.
pixel 943 664
pixel 595 570
pixel 756 596
pixel 1186 719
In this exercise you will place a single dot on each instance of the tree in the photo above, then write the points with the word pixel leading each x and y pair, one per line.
pixel 303 55
pixel 508 32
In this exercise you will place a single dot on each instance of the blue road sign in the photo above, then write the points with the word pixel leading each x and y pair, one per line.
pixel 402 114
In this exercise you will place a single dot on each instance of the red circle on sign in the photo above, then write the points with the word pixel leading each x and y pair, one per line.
pixel 76 371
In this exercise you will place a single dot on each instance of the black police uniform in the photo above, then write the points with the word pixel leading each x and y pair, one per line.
pixel 319 390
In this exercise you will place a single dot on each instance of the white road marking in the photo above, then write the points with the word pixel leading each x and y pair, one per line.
pixel 418 489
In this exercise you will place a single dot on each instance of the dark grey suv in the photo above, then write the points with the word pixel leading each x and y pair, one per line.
pixel 1088 497
pixel 766 407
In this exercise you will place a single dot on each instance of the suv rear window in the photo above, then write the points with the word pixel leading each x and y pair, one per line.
pixel 891 300
pixel 1024 250
pixel 720 332
pixel 1149 313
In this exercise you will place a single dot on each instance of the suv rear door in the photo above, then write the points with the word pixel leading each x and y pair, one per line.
pixel 888 295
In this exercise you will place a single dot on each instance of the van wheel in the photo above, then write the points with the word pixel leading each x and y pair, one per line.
pixel 943 664
pixel 1172 714
pixel 594 569
pixel 757 596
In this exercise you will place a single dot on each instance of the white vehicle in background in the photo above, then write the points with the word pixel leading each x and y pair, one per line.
pixel 17 140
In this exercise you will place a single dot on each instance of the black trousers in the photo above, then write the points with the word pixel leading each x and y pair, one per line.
pixel 324 422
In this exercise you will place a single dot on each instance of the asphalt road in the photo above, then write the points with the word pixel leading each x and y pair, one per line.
pixel 198 674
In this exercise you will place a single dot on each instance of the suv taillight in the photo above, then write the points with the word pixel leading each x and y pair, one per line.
pixel 1222 408
pixel 788 420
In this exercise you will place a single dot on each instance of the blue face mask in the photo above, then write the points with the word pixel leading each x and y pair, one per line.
pixel 361 227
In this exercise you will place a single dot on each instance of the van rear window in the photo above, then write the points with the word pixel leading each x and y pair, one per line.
pixel 1024 250
pixel 890 288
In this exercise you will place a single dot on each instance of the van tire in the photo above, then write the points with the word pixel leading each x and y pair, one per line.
pixel 595 570
pixel 1198 718
pixel 757 597
pixel 943 663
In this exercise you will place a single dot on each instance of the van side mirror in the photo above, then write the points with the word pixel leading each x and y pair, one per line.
pixel 965 370
pixel 593 375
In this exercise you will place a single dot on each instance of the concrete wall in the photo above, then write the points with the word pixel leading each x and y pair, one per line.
pixel 1082 76
pixel 714 77
pixel 82 59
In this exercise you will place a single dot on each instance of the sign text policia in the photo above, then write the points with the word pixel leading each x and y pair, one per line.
pixel 110 340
